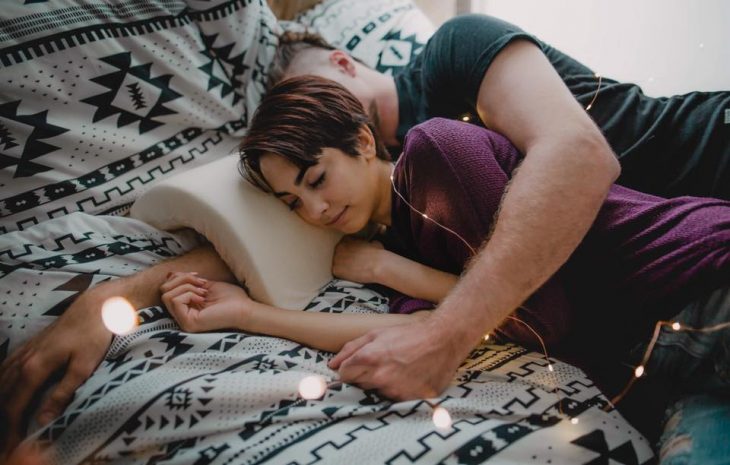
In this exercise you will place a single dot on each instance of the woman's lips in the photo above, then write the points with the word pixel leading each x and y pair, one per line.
pixel 338 218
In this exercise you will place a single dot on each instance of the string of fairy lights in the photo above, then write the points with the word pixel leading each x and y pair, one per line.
pixel 121 318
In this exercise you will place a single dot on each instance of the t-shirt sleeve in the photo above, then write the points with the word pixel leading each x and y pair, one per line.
pixel 459 54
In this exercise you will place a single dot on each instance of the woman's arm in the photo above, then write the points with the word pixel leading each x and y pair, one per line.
pixel 414 279
pixel 324 331
pixel 368 262
pixel 200 305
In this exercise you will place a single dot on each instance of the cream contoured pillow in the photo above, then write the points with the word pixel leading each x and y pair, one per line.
pixel 283 261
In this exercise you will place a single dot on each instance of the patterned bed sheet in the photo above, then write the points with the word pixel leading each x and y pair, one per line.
pixel 98 100
pixel 162 396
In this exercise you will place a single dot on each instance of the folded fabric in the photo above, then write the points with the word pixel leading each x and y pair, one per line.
pixel 282 260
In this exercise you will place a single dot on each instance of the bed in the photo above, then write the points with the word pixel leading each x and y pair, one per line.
pixel 102 100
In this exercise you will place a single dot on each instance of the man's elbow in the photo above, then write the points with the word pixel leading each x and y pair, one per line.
pixel 606 166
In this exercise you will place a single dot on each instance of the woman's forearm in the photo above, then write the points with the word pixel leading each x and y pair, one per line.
pixel 414 279
pixel 324 331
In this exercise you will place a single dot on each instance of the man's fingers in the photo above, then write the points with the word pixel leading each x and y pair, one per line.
pixel 349 349
pixel 356 374
pixel 64 391
pixel 10 372
pixel 33 372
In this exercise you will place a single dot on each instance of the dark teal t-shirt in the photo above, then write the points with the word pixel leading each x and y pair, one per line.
pixel 670 146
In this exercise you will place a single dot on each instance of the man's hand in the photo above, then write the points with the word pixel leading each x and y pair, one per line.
pixel 402 362
pixel 74 344
pixel 77 341
pixel 357 260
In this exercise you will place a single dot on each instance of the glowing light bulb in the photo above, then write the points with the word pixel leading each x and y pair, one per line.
pixel 465 118
pixel 676 326
pixel 550 367
pixel 441 418
pixel 119 316
pixel 486 337
pixel 639 371
pixel 574 420
pixel 312 387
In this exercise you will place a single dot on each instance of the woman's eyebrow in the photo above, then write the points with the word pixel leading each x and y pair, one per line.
pixel 297 181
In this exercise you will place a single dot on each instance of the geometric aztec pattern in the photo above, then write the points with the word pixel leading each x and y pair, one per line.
pixel 110 97
pixel 165 396
pixel 384 34
pixel 104 104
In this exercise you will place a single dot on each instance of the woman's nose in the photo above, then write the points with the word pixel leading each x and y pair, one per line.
pixel 317 208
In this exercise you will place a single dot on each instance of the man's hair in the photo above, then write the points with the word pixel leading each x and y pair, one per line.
pixel 290 45
pixel 298 118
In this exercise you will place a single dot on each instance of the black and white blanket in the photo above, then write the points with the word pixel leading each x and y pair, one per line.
pixel 162 396
pixel 100 99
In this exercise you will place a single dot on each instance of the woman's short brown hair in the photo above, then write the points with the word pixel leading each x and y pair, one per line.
pixel 298 118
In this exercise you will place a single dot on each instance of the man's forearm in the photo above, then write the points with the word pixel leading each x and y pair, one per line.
pixel 545 213
pixel 143 289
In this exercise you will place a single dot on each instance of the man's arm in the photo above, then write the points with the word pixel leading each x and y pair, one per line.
pixel 548 208
pixel 77 341
pixel 553 198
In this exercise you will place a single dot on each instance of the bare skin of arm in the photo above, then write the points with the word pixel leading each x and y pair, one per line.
pixel 59 347
pixel 211 305
pixel 368 262
pixel 550 205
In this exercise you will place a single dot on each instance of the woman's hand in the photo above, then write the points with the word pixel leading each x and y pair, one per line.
pixel 357 260
pixel 201 305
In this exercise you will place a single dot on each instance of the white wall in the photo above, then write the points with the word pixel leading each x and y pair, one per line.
pixel 666 46
pixel 437 11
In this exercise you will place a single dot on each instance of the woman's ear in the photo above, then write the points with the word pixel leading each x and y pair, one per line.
pixel 343 62
pixel 366 142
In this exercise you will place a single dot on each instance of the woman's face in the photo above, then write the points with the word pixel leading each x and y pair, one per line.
pixel 339 192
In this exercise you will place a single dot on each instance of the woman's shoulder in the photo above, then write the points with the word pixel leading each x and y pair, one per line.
pixel 456 146
pixel 444 136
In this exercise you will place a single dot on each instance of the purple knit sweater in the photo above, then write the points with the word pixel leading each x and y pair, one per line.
pixel 647 256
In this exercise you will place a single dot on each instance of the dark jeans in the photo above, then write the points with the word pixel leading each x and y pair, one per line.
pixel 697 364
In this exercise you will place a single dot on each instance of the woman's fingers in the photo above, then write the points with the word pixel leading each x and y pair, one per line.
pixel 181 308
pixel 176 279
pixel 169 296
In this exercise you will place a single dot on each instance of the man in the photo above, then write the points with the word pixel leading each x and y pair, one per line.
pixel 551 202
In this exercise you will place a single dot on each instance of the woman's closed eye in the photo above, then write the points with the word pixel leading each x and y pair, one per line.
pixel 296 202
pixel 318 182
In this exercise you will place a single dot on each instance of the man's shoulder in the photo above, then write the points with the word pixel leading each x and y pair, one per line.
pixel 467 27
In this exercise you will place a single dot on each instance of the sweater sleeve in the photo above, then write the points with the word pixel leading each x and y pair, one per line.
pixel 456 174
